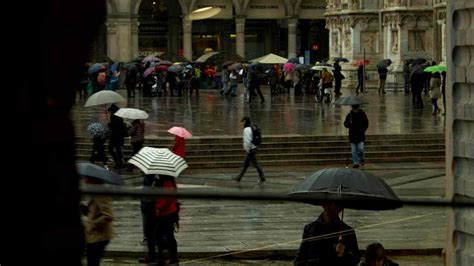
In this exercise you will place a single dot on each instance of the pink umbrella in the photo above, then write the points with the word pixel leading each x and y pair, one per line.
pixel 180 132
pixel 148 72
pixel 288 67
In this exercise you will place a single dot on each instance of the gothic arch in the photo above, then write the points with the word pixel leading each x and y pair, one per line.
pixel 111 7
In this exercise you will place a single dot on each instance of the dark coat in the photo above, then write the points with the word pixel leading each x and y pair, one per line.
pixel 382 72
pixel 357 123
pixel 323 251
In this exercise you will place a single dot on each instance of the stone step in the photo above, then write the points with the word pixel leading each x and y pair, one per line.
pixel 280 138
pixel 315 161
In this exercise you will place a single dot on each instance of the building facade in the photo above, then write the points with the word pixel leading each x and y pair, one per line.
pixel 313 29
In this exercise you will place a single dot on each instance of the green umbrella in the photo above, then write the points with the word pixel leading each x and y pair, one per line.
pixel 437 68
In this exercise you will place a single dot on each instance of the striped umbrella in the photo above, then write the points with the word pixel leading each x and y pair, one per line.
pixel 158 161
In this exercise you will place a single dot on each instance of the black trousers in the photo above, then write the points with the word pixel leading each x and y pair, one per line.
pixel 251 158
pixel 252 91
pixel 95 251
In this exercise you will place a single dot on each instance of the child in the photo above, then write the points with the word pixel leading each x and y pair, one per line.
pixel 375 256
pixel 98 150
pixel 435 88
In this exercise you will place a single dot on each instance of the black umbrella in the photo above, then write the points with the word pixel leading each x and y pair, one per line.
pixel 349 100
pixel 293 60
pixel 384 63
pixel 341 59
pixel 419 61
pixel 352 188
pixel 93 171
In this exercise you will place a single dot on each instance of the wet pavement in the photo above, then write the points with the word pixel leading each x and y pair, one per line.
pixel 211 114
pixel 219 227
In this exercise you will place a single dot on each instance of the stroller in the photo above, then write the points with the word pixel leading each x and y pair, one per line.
pixel 323 93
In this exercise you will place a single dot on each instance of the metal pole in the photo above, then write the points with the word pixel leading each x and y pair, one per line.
pixel 363 72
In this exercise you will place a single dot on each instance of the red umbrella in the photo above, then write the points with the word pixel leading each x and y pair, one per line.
pixel 161 68
pixel 180 132
pixel 361 62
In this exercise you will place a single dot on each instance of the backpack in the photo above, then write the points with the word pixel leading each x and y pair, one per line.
pixel 256 135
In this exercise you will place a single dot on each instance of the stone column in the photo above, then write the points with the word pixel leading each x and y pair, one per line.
pixel 119 38
pixel 187 39
pixel 135 25
pixel 460 131
pixel 240 36
pixel 442 22
pixel 292 23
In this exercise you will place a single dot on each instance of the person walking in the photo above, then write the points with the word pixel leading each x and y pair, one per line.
pixel 251 152
pixel 435 91
pixel 166 221
pixel 179 146
pixel 383 70
pixel 98 150
pixel 136 131
pixel 98 227
pixel 131 82
pixel 360 79
pixel 375 256
pixel 338 77
pixel 357 123
pixel 254 85
pixel 234 82
pixel 328 240
pixel 118 131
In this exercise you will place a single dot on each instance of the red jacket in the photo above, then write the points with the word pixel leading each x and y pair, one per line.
pixel 178 147
pixel 166 206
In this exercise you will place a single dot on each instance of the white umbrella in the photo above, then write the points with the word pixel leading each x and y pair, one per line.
pixel 131 113
pixel 104 97
pixel 329 68
pixel 158 161
pixel 270 59
pixel 203 13
pixel 203 58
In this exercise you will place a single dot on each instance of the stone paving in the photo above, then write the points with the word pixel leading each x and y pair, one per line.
pixel 211 114
pixel 218 227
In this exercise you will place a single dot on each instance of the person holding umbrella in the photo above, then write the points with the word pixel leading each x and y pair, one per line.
pixel 179 146
pixel 328 240
pixel 357 123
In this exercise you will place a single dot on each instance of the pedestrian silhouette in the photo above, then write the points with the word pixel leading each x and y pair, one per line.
pixel 251 152
pixel 357 123
pixel 375 256
pixel 328 240
pixel 98 227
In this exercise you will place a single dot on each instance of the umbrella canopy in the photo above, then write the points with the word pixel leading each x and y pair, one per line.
pixel 104 97
pixel 96 68
pixel 203 13
pixel 235 66
pixel 384 63
pixel 97 129
pixel 93 171
pixel 227 63
pixel 349 100
pixel 270 59
pixel 341 59
pixel 131 113
pixel 361 62
pixel 436 68
pixel 150 59
pixel 166 63
pixel 353 188
pixel 181 132
pixel 294 60
pixel 148 72
pixel 158 161
pixel 419 61
pixel 175 68
pixel 321 67
pixel 289 67
pixel 302 67
pixel 203 58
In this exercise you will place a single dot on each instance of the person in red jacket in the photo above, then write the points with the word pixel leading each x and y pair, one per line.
pixel 166 217
pixel 178 147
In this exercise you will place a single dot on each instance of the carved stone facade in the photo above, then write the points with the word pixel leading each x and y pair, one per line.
pixel 395 29
pixel 460 130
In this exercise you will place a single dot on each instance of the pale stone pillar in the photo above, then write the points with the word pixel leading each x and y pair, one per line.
pixel 187 39
pixel 460 130
pixel 135 25
pixel 240 36
pixel 119 39
pixel 443 40
pixel 292 23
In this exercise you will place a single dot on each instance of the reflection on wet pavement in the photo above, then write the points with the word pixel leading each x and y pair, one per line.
pixel 212 114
